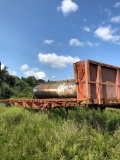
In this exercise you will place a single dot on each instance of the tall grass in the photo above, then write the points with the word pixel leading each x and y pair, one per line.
pixel 82 135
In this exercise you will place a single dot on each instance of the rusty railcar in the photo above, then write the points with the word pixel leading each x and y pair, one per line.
pixel 97 83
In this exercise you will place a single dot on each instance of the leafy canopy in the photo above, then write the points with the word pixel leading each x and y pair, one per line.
pixel 13 86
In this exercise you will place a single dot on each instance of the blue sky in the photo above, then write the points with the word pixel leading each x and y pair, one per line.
pixel 43 38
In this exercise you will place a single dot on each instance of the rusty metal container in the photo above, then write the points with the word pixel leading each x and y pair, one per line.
pixel 97 83
pixel 58 89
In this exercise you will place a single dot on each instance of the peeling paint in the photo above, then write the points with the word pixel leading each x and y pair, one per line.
pixel 68 89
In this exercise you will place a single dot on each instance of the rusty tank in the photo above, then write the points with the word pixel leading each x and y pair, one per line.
pixel 57 89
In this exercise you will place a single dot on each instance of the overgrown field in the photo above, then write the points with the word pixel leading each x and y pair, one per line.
pixel 82 135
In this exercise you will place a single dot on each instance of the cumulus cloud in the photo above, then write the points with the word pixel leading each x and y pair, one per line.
pixel 75 42
pixel 56 61
pixel 67 6
pixel 117 4
pixel 115 19
pixel 107 34
pixel 37 75
pixel 48 41
pixel 87 29
pixel 24 67
pixel 33 72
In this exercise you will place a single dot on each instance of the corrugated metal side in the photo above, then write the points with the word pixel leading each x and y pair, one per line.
pixel 97 83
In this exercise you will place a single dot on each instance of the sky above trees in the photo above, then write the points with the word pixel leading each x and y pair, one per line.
pixel 43 38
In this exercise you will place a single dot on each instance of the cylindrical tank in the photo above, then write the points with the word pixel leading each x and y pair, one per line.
pixel 58 89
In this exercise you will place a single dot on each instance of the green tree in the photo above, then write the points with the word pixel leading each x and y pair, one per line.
pixel 40 81
pixel 31 80
pixel 5 91
pixel 13 86
pixel 3 74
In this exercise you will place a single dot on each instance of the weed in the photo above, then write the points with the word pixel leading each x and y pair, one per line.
pixel 82 135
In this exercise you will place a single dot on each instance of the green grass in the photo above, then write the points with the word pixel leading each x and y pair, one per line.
pixel 82 135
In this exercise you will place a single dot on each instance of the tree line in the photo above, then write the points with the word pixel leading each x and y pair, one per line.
pixel 15 87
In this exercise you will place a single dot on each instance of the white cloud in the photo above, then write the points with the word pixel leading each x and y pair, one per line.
pixel 12 73
pixel 117 4
pixel 24 67
pixel 9 71
pixel 56 61
pixel 107 34
pixel 67 6
pixel 48 41
pixel 87 29
pixel 90 44
pixel 37 75
pixel 35 69
pixel 75 42
pixel 115 19
pixel 33 72
pixel 2 66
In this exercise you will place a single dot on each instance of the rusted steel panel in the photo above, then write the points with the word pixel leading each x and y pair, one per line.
pixel 101 82
pixel 108 75
pixel 59 89
pixel 79 72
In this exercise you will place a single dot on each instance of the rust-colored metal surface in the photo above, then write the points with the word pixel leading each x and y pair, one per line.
pixel 97 83
pixel 58 89
pixel 42 103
